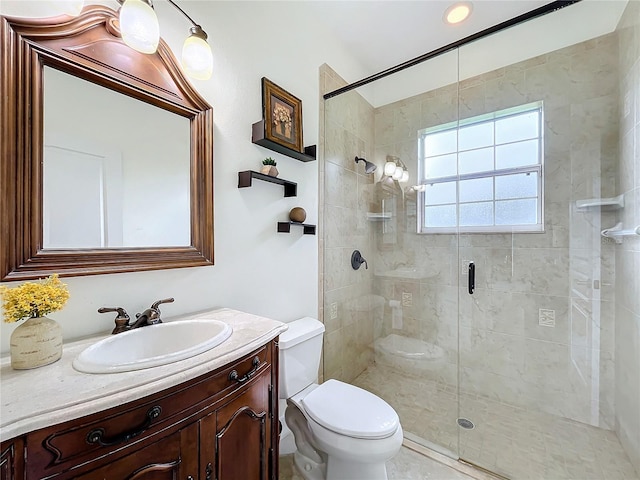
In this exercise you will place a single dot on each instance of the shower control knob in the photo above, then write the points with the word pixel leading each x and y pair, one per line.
pixel 357 260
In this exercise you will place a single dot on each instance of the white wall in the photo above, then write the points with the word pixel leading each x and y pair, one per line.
pixel 256 269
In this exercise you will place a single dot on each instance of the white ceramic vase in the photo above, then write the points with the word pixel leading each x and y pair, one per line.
pixel 35 343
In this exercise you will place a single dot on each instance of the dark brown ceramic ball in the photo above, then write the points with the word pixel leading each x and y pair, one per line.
pixel 297 214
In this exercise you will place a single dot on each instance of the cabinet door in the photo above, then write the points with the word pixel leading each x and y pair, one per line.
pixel 242 441
pixel 11 460
pixel 173 457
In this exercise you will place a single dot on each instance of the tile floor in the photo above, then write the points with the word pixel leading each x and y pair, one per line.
pixel 508 440
pixel 407 465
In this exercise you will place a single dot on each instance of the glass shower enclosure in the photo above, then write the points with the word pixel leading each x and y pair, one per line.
pixel 498 311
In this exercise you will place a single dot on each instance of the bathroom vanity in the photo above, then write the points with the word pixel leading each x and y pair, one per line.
pixel 212 416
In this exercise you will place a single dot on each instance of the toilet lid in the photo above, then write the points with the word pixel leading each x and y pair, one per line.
pixel 350 411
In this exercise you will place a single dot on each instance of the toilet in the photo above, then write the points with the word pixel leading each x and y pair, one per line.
pixel 341 432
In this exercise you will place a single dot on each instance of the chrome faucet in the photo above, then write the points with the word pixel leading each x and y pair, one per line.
pixel 151 316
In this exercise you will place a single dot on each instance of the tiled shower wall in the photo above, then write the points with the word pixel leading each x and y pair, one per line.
pixel 348 311
pixel 627 332
pixel 505 354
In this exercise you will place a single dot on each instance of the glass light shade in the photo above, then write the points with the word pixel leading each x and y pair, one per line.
pixel 397 175
pixel 70 7
pixel 139 26
pixel 389 168
pixel 197 59
pixel 405 176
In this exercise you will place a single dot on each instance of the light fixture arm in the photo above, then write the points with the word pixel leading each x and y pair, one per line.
pixel 196 29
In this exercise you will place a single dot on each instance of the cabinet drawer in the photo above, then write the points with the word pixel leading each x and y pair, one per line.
pixel 110 434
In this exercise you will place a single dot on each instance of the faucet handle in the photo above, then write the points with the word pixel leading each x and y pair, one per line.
pixel 122 320
pixel 154 316
pixel 155 305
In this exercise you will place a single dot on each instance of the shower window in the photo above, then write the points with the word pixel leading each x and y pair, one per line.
pixel 483 174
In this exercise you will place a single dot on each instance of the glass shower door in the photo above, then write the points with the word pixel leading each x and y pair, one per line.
pixel 537 331
pixel 392 328
pixel 512 161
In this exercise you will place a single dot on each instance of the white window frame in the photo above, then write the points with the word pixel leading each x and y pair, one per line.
pixel 532 168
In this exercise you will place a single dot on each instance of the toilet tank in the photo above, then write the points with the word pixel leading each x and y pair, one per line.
pixel 299 358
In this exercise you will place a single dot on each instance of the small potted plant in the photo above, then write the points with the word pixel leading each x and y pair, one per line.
pixel 269 167
pixel 38 341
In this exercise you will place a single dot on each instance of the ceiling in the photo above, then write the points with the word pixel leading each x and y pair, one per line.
pixel 385 33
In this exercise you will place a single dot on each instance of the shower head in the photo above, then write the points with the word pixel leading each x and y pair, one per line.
pixel 368 166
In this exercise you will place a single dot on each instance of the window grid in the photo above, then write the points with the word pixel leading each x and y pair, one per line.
pixel 528 169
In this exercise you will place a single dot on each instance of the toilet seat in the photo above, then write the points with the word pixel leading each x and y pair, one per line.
pixel 351 411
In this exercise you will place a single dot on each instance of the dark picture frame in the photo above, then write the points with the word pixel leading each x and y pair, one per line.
pixel 282 113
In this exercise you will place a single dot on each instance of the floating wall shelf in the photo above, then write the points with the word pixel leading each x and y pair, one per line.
pixel 614 203
pixel 285 227
pixel 244 180
pixel 258 137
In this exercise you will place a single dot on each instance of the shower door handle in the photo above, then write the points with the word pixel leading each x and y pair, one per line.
pixel 472 278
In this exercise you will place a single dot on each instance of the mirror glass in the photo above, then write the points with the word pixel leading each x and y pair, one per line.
pixel 116 170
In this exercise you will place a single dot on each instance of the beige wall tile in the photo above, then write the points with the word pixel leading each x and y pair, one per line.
pixel 627 289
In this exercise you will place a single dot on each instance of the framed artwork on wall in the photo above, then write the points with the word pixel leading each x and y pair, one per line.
pixel 282 113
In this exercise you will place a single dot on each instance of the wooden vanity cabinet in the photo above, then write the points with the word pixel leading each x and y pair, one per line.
pixel 220 426
pixel 167 459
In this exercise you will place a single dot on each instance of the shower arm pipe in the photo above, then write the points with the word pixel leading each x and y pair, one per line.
pixel 537 12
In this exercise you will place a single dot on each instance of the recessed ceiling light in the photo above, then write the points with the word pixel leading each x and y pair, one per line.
pixel 457 12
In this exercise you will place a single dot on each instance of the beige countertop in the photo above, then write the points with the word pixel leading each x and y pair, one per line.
pixel 45 396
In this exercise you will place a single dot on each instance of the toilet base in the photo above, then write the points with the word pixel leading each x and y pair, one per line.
pixel 339 470
pixel 309 469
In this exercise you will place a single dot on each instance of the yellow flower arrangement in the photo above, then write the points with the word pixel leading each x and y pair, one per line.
pixel 31 300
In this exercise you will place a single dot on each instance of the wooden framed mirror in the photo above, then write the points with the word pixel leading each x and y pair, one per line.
pixel 41 229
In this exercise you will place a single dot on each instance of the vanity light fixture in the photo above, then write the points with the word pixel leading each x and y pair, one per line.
pixel 458 12
pixel 140 30
pixel 390 166
pixel 395 169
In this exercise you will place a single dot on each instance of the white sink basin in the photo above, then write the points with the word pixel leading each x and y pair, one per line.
pixel 152 346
